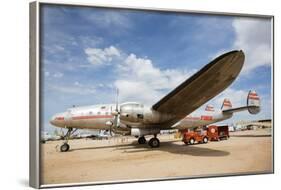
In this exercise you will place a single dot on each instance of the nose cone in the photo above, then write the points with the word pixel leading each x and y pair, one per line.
pixel 53 120
pixel 58 120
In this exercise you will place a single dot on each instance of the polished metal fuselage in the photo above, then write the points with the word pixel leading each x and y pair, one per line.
pixel 140 116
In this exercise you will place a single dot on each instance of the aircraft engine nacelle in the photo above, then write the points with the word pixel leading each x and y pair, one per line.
pixel 135 113
pixel 142 132
pixel 131 113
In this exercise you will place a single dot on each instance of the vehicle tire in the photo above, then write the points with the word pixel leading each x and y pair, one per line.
pixel 185 142
pixel 191 141
pixel 141 140
pixel 64 147
pixel 205 140
pixel 154 143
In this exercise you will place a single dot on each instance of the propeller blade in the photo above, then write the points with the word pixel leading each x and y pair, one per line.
pixel 116 114
pixel 117 94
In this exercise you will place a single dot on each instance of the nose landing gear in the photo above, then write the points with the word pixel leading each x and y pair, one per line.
pixel 65 146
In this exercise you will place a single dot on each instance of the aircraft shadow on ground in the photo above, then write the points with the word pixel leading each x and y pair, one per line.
pixel 100 147
pixel 193 150
pixel 251 135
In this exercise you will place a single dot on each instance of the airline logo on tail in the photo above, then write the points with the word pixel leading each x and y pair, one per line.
pixel 226 104
pixel 210 108
pixel 253 102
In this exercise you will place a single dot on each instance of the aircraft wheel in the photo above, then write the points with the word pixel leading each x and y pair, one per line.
pixel 205 140
pixel 142 140
pixel 154 143
pixel 64 147
pixel 191 141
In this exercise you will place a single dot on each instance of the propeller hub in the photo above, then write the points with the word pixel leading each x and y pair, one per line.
pixel 115 113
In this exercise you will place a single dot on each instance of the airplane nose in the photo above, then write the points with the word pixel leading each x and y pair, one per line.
pixel 57 119
pixel 53 120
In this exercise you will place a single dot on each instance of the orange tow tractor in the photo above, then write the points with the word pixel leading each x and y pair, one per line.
pixel 196 136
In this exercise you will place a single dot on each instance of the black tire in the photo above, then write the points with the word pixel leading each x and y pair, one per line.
pixel 141 140
pixel 154 143
pixel 64 147
pixel 185 142
pixel 191 141
pixel 205 140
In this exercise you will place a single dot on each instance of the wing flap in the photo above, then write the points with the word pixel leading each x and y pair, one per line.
pixel 202 86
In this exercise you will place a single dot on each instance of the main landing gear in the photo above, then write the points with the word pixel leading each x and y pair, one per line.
pixel 65 146
pixel 153 142
pixel 142 140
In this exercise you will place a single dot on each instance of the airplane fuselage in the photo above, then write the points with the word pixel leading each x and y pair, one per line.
pixel 100 117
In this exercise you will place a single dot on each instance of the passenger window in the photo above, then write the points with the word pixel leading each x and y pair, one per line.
pixel 98 113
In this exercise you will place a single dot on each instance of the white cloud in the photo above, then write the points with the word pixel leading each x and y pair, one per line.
pixel 109 19
pixel 139 80
pixel 236 97
pixel 98 56
pixel 90 41
pixel 253 36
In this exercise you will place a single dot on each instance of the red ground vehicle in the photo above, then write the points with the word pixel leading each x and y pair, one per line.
pixel 217 133
pixel 199 136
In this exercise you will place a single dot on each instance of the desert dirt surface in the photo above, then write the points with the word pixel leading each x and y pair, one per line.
pixel 122 158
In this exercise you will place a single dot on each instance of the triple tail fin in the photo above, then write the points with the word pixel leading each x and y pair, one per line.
pixel 253 104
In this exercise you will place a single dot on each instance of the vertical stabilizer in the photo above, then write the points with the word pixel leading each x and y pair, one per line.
pixel 253 102
pixel 226 104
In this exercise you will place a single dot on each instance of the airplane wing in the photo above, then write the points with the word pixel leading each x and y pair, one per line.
pixel 202 86
pixel 233 110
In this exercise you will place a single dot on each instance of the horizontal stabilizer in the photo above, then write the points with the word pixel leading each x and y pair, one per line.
pixel 253 105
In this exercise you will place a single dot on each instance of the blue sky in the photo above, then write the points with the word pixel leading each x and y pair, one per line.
pixel 89 52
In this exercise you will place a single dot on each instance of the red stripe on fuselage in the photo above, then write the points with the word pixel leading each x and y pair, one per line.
pixel 206 117
pixel 59 118
pixel 91 117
